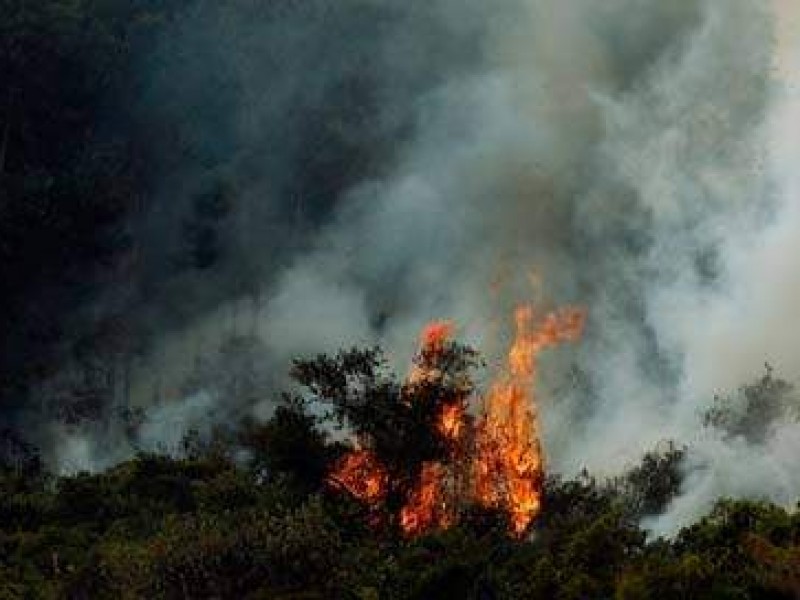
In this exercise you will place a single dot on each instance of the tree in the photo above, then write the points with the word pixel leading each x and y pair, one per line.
pixel 289 444
pixel 650 486
pixel 755 409
pixel 396 421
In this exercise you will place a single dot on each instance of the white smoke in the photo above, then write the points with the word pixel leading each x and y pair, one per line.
pixel 167 426
pixel 634 156
pixel 718 467
pixel 749 320
pixel 645 179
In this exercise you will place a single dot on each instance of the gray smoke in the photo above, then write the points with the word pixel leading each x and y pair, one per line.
pixel 629 156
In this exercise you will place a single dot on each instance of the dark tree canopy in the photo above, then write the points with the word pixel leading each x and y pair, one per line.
pixel 397 420
pixel 755 409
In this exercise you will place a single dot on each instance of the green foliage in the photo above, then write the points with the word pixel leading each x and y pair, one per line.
pixel 741 549
pixel 289 445
pixel 397 421
pixel 580 546
pixel 160 527
pixel 267 526
pixel 649 487
pixel 755 409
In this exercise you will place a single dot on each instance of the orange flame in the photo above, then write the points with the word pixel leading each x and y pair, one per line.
pixel 361 473
pixel 508 461
pixel 432 343
pixel 427 508
pixel 502 465
pixel 436 334
pixel 451 421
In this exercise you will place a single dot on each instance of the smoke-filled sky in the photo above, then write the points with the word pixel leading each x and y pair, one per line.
pixel 749 317
pixel 449 159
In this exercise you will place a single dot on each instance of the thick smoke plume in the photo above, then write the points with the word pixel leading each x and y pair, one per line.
pixel 367 168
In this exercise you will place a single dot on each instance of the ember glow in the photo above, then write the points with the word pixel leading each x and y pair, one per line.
pixel 360 473
pixel 428 508
pixel 495 460
pixel 436 334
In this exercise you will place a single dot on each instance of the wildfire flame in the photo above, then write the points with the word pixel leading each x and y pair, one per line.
pixel 508 461
pixel 495 461
pixel 361 474
pixel 427 509
pixel 436 334
pixel 431 504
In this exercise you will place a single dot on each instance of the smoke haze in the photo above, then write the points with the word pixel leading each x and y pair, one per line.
pixel 371 168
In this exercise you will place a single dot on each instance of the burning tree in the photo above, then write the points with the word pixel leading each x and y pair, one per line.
pixel 397 425
pixel 421 457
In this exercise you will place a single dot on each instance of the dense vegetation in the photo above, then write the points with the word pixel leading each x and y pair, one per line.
pixel 248 513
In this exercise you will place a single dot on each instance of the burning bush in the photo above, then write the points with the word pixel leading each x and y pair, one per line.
pixel 421 457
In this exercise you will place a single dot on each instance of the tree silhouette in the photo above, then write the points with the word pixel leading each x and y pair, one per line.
pixel 395 420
